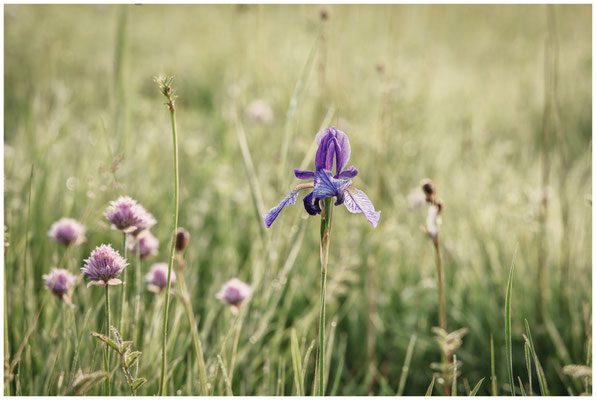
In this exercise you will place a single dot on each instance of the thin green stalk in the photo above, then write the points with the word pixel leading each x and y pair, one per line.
pixel 442 311
pixel 172 249
pixel 406 368
pixel 123 291
pixel 196 340
pixel 493 376
pixel 325 240
pixel 106 353
pixel 138 285
pixel 508 325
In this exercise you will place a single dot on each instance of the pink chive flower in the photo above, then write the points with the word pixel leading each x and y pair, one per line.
pixel 103 267
pixel 128 216
pixel 259 112
pixel 60 281
pixel 147 243
pixel 234 292
pixel 67 231
pixel 157 278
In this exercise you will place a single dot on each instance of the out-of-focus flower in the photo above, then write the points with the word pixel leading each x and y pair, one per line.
pixel 60 281
pixel 68 232
pixel 433 221
pixel 128 216
pixel 182 239
pixel 234 292
pixel 157 277
pixel 416 198
pixel 147 243
pixel 259 112
pixel 334 148
pixel 103 267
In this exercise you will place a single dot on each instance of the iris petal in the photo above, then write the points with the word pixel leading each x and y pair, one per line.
pixel 327 186
pixel 290 199
pixel 357 201
pixel 349 172
pixel 301 174
pixel 311 207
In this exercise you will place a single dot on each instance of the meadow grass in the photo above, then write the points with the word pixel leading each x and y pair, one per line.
pixel 453 93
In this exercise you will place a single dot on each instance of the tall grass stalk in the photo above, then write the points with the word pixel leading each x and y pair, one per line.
pixel 406 368
pixel 106 354
pixel 508 325
pixel 196 340
pixel 442 311
pixel 326 217
pixel 123 291
pixel 165 86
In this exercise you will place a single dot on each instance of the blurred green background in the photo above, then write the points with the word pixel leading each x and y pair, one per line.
pixel 453 93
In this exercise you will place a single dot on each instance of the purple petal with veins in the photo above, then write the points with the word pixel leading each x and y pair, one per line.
pixel 357 201
pixel 301 174
pixel 327 186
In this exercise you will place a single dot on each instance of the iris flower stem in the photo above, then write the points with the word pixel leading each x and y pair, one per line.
pixel 172 248
pixel 325 241
pixel 123 293
pixel 106 353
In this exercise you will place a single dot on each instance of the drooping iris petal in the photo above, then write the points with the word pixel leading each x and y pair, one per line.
pixel 301 174
pixel 327 186
pixel 274 212
pixel 357 201
pixel 311 207
pixel 349 172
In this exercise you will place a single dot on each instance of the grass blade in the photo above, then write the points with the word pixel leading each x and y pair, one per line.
pixel 476 388
pixel 508 325
pixel 539 371
pixel 521 386
pixel 406 367
pixel 528 365
pixel 493 376
pixel 454 383
pixel 429 391
pixel 296 363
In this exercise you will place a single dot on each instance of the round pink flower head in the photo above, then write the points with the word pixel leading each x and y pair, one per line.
pixel 259 112
pixel 103 267
pixel 59 281
pixel 146 242
pixel 128 216
pixel 157 278
pixel 67 231
pixel 234 292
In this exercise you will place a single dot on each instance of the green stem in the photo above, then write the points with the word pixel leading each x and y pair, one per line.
pixel 325 240
pixel 194 331
pixel 172 248
pixel 123 293
pixel 442 312
pixel 138 284
pixel 106 354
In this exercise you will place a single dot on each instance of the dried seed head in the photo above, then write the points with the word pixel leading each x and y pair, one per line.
pixel 324 13
pixel 182 239
pixel 428 188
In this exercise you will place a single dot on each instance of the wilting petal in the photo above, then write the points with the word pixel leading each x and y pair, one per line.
pixel 327 186
pixel 357 201
pixel 114 281
pixel 311 207
pixel 301 174
pixel 96 283
pixel 349 172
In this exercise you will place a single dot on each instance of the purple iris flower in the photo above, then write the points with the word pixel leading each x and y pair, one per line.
pixel 334 148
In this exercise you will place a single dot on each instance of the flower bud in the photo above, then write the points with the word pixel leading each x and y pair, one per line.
pixel 182 239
